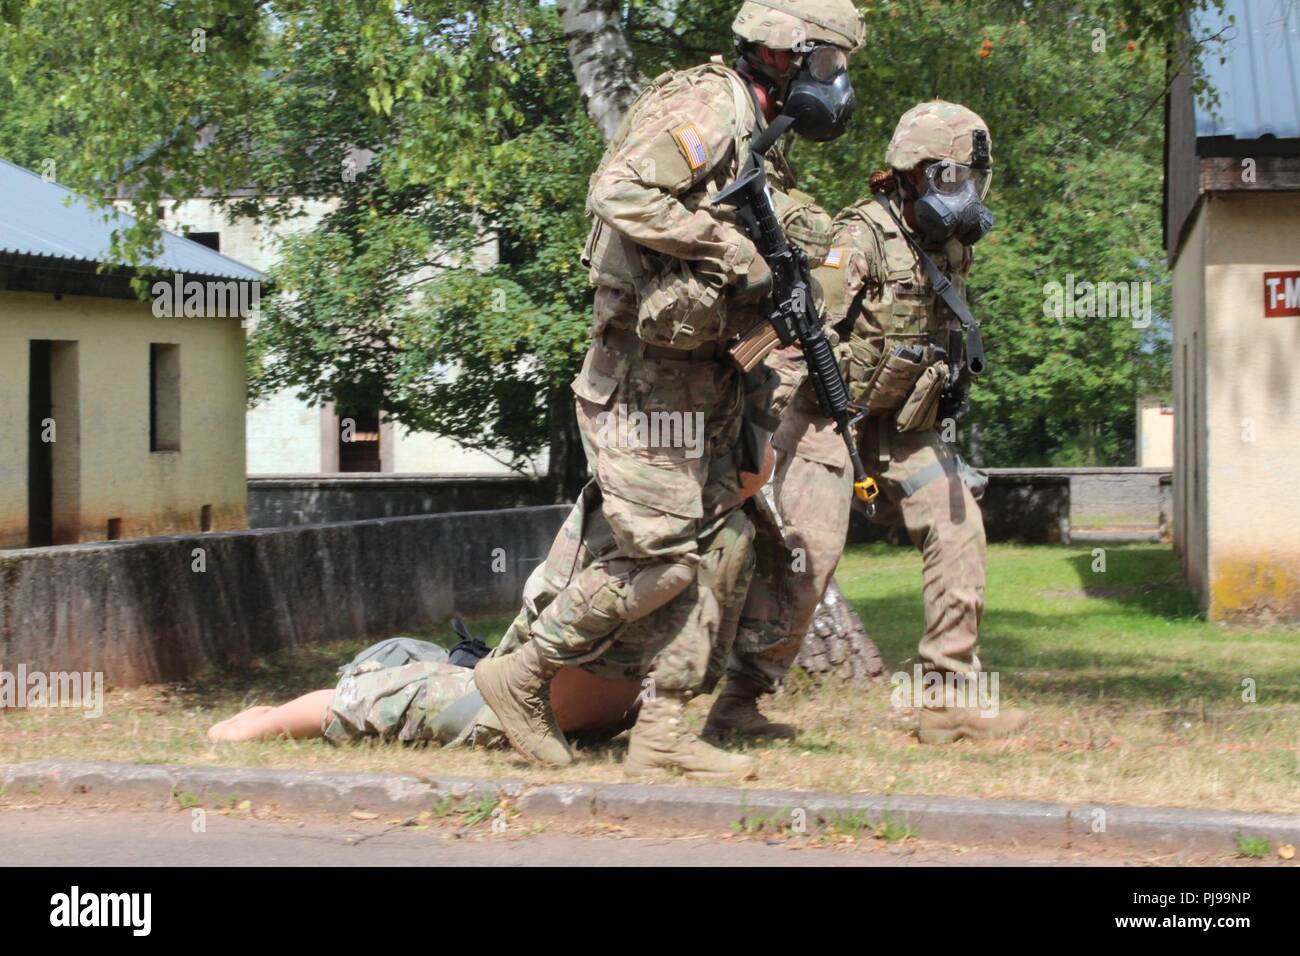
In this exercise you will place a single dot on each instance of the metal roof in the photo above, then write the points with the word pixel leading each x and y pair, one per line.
pixel 40 218
pixel 1259 82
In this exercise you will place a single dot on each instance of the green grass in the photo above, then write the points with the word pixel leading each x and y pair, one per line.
pixel 1252 848
pixel 1134 698
pixel 1053 626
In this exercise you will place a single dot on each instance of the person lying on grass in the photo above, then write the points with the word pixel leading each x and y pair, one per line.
pixel 414 691
pixel 428 698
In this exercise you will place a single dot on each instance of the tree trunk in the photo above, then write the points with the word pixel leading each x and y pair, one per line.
pixel 837 644
pixel 566 470
pixel 602 60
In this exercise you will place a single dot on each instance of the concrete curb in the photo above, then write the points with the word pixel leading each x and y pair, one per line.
pixel 945 819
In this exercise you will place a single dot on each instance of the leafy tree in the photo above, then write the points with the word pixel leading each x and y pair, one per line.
pixel 430 130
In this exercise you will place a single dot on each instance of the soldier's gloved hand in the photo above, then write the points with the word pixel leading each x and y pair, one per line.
pixel 756 284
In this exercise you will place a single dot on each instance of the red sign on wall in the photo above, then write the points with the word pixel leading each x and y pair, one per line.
pixel 1281 294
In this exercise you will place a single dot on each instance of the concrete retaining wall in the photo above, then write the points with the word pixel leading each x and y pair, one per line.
pixel 143 611
pixel 1030 505
pixel 282 501
pixel 1038 505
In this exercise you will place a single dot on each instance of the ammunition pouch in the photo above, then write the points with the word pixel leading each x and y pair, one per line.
pixel 891 382
pixel 921 409
pixel 806 224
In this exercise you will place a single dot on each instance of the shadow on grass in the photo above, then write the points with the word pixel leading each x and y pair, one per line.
pixel 1146 579
pixel 1124 648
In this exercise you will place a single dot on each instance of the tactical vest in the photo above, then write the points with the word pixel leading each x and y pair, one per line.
pixel 897 306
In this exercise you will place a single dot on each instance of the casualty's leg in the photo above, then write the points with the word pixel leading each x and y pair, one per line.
pixel 300 719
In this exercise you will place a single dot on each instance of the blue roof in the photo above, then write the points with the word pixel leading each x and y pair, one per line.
pixel 39 218
pixel 1259 84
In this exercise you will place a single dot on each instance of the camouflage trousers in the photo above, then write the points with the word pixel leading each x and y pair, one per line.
pixel 682 646
pixel 420 702
pixel 659 436
pixel 797 553
pixel 813 492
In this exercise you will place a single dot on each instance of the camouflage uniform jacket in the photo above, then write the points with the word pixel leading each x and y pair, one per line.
pixel 656 235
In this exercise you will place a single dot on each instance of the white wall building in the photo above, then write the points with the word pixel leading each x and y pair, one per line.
pixel 285 435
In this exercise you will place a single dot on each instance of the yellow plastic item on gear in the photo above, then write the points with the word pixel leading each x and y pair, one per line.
pixel 866 490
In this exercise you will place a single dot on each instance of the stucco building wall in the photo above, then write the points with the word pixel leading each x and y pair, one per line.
pixel 285 434
pixel 103 433
pixel 1239 506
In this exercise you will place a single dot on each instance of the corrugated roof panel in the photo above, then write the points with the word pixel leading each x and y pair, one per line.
pixel 36 219
pixel 1259 84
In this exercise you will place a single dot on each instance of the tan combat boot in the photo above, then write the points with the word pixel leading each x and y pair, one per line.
pixel 516 687
pixel 661 741
pixel 943 725
pixel 735 714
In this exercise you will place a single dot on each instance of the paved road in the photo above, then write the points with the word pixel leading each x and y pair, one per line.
pixel 64 836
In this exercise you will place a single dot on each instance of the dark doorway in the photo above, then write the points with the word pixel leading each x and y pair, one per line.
pixel 40 451
pixel 359 440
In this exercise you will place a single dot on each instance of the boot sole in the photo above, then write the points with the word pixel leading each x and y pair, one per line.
pixel 519 749
pixel 938 736
pixel 716 777
pixel 657 773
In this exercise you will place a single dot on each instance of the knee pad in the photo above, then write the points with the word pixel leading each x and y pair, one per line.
pixel 652 586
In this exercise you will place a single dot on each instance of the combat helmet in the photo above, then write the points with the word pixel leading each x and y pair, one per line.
pixel 936 130
pixel 794 24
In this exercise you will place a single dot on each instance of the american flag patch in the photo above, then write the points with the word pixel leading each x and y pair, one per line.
pixel 688 137
pixel 835 258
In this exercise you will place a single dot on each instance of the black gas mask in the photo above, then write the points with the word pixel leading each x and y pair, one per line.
pixel 819 98
pixel 952 205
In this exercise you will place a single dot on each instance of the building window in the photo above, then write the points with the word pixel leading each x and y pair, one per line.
pixel 210 239
pixel 164 397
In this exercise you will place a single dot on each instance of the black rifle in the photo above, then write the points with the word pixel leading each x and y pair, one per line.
pixel 793 317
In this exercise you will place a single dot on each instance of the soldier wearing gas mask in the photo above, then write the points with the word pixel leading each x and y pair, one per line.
pixel 659 403
pixel 908 360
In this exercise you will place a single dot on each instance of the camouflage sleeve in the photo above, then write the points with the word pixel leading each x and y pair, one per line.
pixel 851 263
pixel 680 139
pixel 792 372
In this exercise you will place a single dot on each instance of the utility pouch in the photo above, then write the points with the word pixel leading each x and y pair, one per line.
pixel 678 309
pixel 805 223
pixel 921 409
pixel 612 259
pixel 893 379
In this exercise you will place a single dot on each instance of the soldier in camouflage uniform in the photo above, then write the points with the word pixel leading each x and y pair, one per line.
pixel 677 281
pixel 880 298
